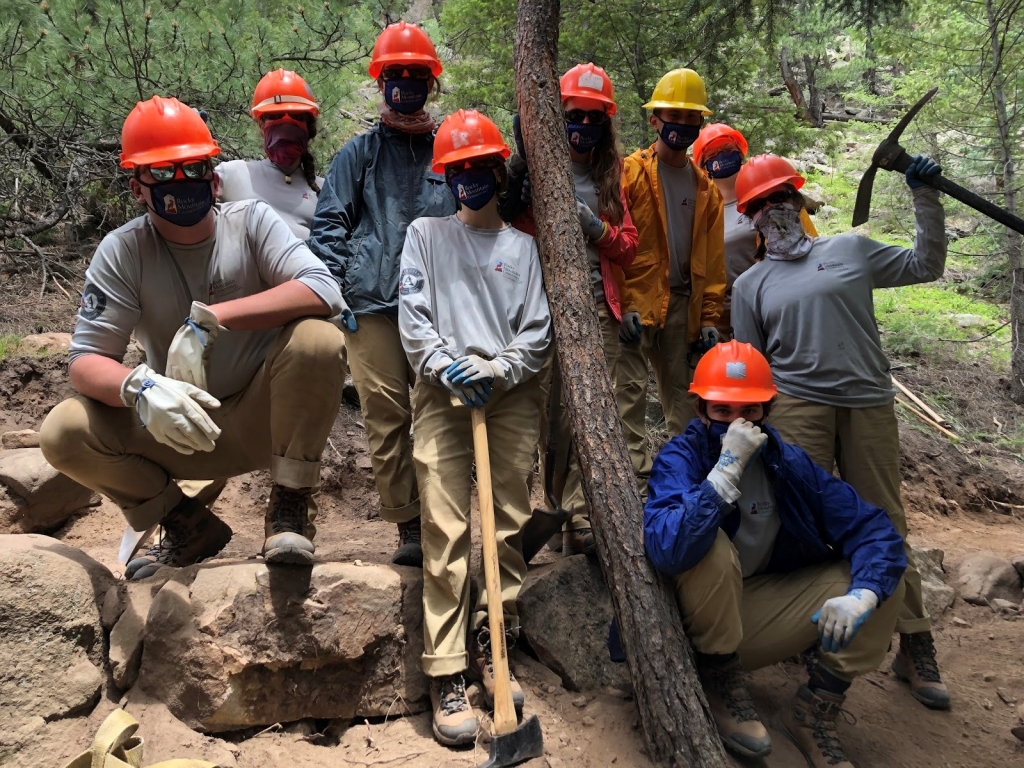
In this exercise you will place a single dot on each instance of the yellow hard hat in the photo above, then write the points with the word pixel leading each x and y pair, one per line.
pixel 680 89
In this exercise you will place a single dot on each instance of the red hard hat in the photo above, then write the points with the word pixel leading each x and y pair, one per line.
pixel 466 135
pixel 403 43
pixel 731 372
pixel 283 91
pixel 714 138
pixel 762 175
pixel 164 131
pixel 589 81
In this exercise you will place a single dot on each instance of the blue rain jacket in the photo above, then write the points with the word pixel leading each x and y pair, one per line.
pixel 822 518
pixel 377 184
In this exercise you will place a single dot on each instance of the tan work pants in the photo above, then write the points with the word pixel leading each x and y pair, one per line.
pixel 666 349
pixel 865 444
pixel 383 378
pixel 444 463
pixel 767 618
pixel 281 420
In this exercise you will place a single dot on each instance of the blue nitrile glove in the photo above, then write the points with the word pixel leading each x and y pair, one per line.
pixel 840 618
pixel 920 167
pixel 630 328
pixel 349 320
pixel 473 395
pixel 472 369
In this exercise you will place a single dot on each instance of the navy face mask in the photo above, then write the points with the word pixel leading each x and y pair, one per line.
pixel 678 135
pixel 184 202
pixel 407 94
pixel 584 137
pixel 724 164
pixel 473 189
pixel 717 430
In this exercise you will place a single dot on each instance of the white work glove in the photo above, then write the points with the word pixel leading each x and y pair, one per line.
pixel 472 395
pixel 171 410
pixel 840 617
pixel 740 444
pixel 191 346
pixel 630 328
pixel 709 336
pixel 472 369
pixel 591 225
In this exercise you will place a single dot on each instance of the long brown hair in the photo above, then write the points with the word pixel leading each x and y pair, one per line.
pixel 606 171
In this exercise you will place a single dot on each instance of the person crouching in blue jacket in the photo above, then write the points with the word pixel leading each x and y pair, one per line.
pixel 771 555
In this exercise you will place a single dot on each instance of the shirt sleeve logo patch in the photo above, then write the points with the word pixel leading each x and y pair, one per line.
pixel 410 281
pixel 94 301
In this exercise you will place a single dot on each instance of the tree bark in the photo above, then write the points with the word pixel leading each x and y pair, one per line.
pixel 676 720
pixel 814 104
pixel 792 85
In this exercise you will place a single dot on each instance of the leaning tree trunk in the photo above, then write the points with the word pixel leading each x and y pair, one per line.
pixel 673 710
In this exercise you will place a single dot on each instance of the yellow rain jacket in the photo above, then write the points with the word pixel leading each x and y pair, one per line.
pixel 646 286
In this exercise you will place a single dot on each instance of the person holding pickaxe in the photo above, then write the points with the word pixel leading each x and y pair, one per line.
pixel 808 307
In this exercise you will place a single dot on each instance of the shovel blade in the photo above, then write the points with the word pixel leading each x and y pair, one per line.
pixel 862 208
pixel 522 744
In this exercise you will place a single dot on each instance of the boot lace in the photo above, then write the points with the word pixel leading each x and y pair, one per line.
pixel 483 639
pixel 453 695
pixel 731 683
pixel 288 513
pixel 176 531
pixel 409 533
pixel 921 649
pixel 823 721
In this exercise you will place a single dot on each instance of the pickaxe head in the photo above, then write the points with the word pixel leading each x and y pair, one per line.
pixel 890 156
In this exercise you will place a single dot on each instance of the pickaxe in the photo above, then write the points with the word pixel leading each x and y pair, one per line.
pixel 892 157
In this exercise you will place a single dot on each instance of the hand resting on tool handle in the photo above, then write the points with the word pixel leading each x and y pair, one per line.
pixel 921 168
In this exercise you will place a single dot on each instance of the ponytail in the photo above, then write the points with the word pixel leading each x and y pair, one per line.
pixel 309 171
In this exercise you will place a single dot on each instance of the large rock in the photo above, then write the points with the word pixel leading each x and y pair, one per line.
pixel 45 343
pixel 985 576
pixel 814 196
pixel 126 637
pixel 51 637
pixel 1018 563
pixel 22 438
pixel 565 610
pixel 938 596
pixel 235 645
pixel 43 497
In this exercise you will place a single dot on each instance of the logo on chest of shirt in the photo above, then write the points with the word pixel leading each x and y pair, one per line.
pixel 762 508
pixel 222 287
pixel 508 271
pixel 830 266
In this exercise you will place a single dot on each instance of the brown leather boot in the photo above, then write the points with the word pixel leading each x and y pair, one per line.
pixel 481 668
pixel 725 687
pixel 915 664
pixel 578 542
pixel 189 533
pixel 454 721
pixel 811 724
pixel 287 528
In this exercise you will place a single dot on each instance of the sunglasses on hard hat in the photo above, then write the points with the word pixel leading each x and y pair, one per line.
pixel 190 169
pixel 577 116
pixel 298 117
pixel 404 70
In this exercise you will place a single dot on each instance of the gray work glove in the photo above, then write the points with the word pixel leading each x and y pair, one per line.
pixel 709 336
pixel 740 444
pixel 630 328
pixel 840 618
pixel 591 225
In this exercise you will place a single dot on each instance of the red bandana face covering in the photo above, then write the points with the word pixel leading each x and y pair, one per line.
pixel 285 141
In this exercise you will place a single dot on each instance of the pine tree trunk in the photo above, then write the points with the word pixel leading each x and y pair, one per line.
pixel 673 710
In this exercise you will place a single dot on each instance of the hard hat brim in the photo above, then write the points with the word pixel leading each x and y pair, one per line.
pixel 763 190
pixel 378 64
pixel 679 105
pixel 170 154
pixel 469 153
pixel 593 101
pixel 746 396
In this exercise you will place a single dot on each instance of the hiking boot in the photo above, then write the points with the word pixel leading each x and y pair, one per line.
pixel 454 721
pixel 410 551
pixel 811 724
pixel 287 528
pixel 481 668
pixel 733 708
pixel 578 542
pixel 189 534
pixel 915 664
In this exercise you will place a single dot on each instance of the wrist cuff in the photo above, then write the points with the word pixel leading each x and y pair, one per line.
pixel 723 486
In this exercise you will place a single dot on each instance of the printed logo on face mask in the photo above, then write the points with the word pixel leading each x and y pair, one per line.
pixel 410 281
pixel 508 271
pixel 94 301
pixel 170 204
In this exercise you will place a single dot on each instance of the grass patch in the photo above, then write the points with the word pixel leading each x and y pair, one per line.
pixel 8 345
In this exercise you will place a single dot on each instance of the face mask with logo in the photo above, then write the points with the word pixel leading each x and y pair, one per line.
pixel 679 136
pixel 584 137
pixel 473 188
pixel 406 95
pixel 783 232
pixel 285 142
pixel 724 164
pixel 184 202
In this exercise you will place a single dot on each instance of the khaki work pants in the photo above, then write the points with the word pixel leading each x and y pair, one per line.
pixel 383 378
pixel 444 463
pixel 767 618
pixel 865 444
pixel 281 420
pixel 666 349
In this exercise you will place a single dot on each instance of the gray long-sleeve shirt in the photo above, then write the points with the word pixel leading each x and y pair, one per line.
pixel 136 284
pixel 814 317
pixel 469 291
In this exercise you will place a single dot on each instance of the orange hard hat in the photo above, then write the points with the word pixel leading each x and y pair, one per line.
pixel 589 81
pixel 762 175
pixel 283 91
pixel 403 43
pixel 164 131
pixel 714 138
pixel 466 135
pixel 732 372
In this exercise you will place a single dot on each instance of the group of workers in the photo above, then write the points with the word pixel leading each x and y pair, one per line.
pixel 249 284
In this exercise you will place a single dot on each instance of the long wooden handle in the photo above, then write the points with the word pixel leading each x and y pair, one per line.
pixel 504 710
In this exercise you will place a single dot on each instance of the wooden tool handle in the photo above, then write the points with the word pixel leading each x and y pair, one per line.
pixel 504 710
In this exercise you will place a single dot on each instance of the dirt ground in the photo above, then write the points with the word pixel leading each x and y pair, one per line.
pixel 958 500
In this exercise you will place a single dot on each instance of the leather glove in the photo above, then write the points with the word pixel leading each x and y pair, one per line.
pixel 591 225
pixel 840 618
pixel 190 349
pixel 473 368
pixel 709 336
pixel 740 444
pixel 472 395
pixel 630 328
pixel 920 167
pixel 171 410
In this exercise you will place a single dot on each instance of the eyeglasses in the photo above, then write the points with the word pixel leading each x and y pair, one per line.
pixel 399 72
pixel 299 117
pixel 779 196
pixel 191 169
pixel 577 116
